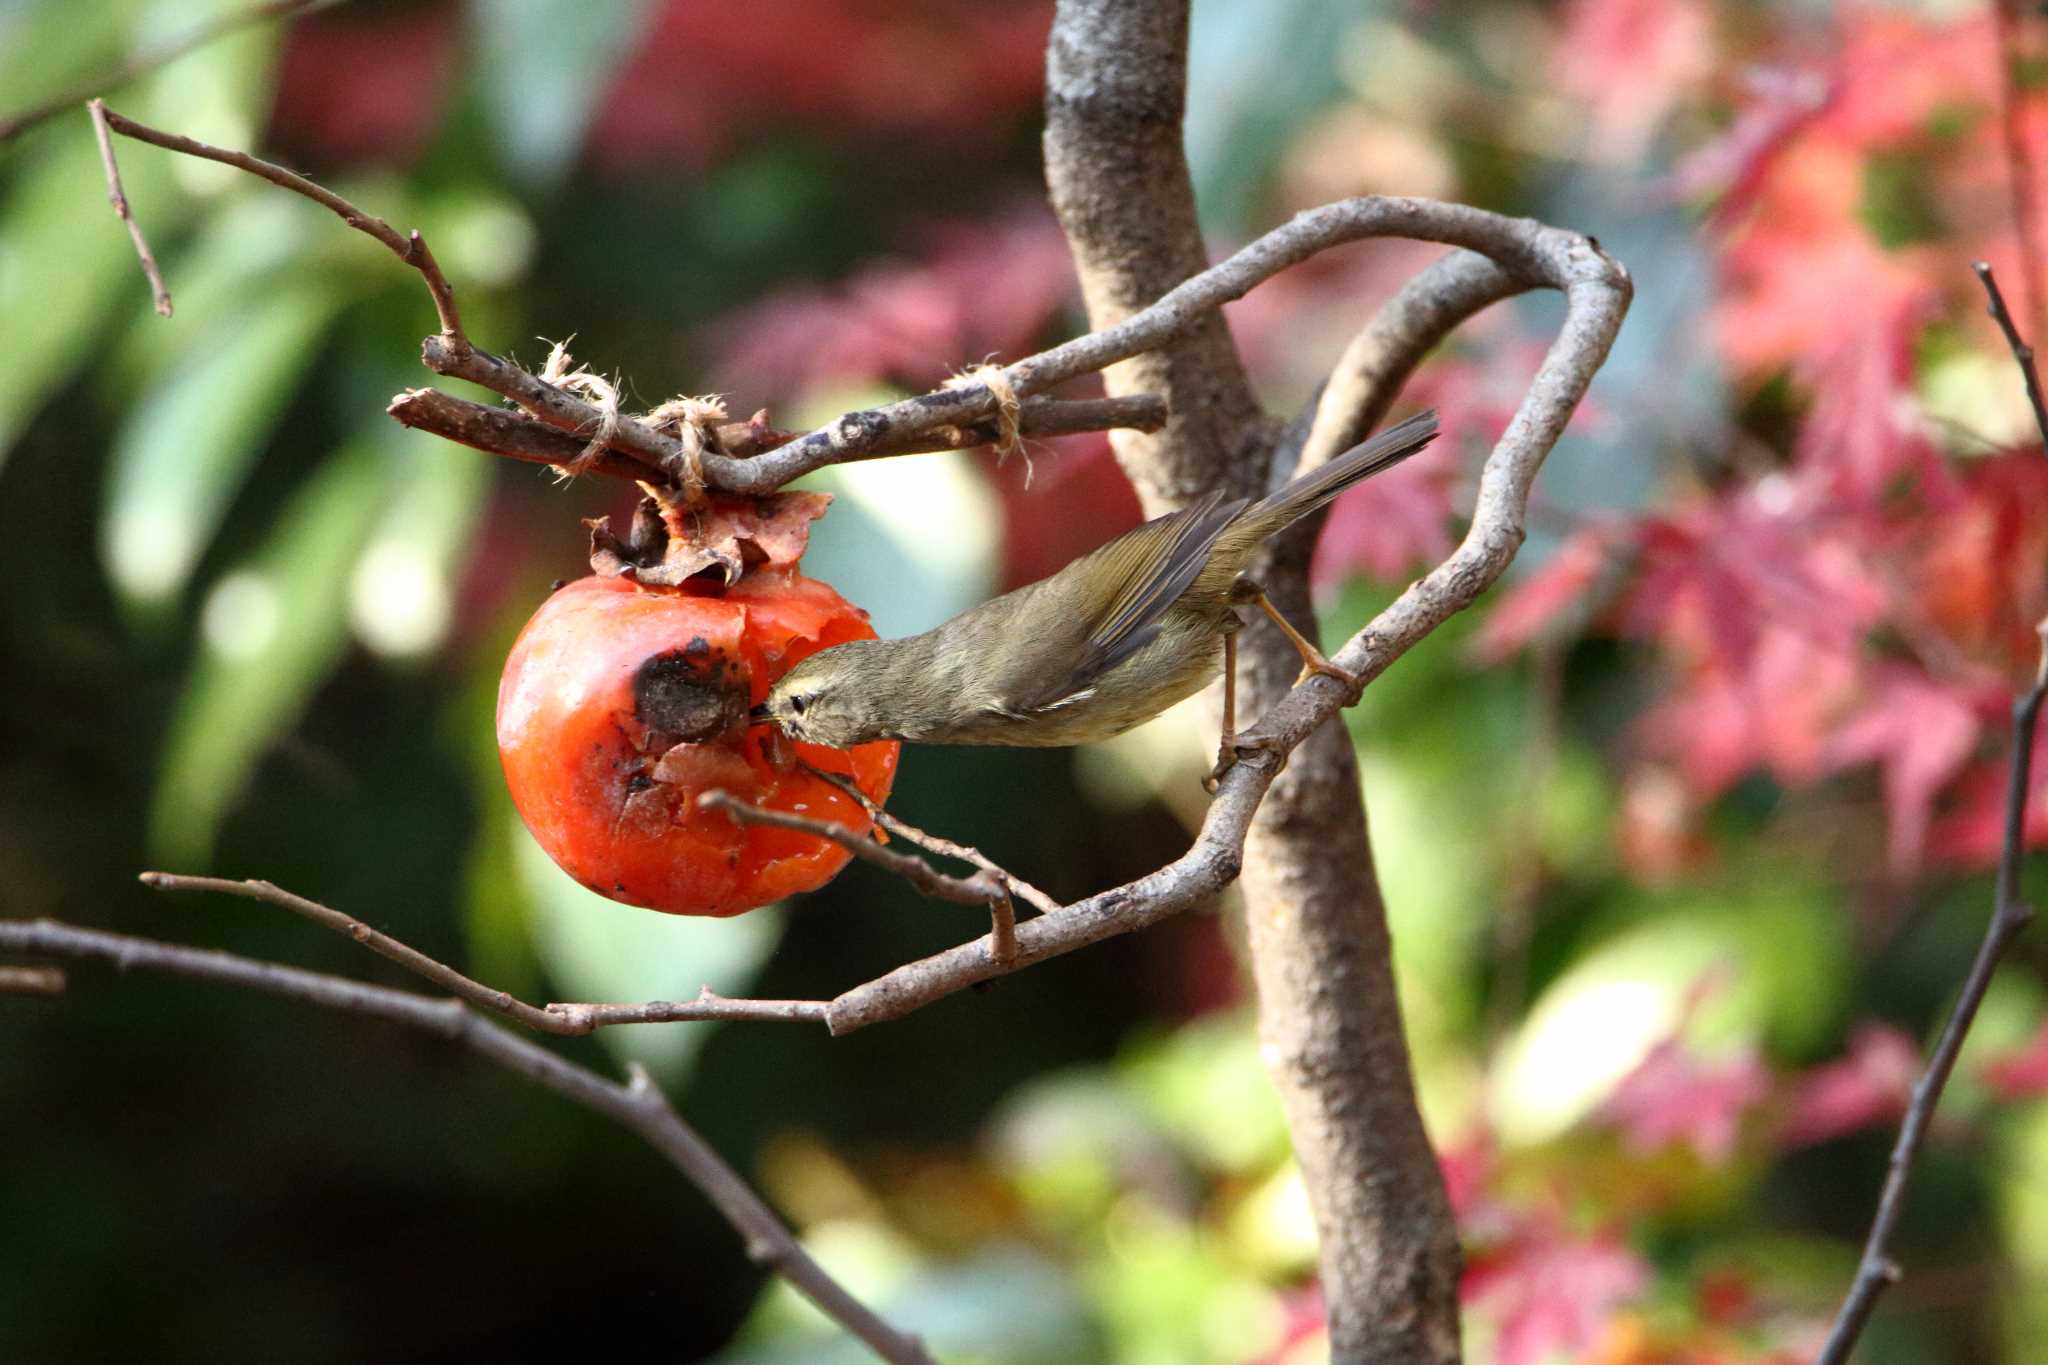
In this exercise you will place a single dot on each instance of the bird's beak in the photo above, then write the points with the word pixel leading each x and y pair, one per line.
pixel 759 715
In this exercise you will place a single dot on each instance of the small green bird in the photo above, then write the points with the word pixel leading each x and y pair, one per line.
pixel 1107 642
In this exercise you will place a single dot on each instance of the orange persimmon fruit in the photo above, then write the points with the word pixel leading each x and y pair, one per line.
pixel 622 702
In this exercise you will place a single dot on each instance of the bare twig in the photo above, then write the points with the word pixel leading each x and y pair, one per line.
pixel 142 63
pixel 503 431
pixel 119 199
pixel 983 888
pixel 2010 915
pixel 2022 352
pixel 2019 166
pixel 978 889
pixel 560 1019
pixel 932 843
pixel 411 249
pixel 31 981
pixel 637 1105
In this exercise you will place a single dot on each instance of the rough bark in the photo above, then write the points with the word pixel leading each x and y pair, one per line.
pixel 1115 93
pixel 1328 1017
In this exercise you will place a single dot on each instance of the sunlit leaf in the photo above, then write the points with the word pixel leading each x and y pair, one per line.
pixel 270 629
pixel 1776 950
pixel 188 442
pixel 65 266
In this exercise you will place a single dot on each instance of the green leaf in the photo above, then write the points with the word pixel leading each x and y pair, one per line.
pixel 597 949
pixel 271 629
pixel 182 454
pixel 62 273
pixel 541 66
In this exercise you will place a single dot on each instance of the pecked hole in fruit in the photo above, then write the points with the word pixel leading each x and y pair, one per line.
pixel 691 694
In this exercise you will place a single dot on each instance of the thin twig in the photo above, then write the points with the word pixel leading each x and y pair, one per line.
pixel 563 1020
pixel 2022 353
pixel 983 888
pixel 409 248
pixel 119 199
pixel 2010 915
pixel 933 843
pixel 638 1105
pixel 142 63
pixel 31 981
pixel 978 889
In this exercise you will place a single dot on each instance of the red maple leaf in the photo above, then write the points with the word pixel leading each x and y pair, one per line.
pixel 1674 1097
pixel 1868 1086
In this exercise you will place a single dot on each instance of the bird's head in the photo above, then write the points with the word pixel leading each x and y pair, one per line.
pixel 837 697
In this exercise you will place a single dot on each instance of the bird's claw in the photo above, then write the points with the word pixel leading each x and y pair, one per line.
pixel 1353 684
pixel 1232 749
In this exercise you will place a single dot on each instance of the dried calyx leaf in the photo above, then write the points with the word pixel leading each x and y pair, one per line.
pixel 668 542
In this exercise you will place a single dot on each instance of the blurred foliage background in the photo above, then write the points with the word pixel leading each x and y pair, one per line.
pixel 1684 836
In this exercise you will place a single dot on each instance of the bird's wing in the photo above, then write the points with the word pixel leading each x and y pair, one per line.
pixel 1156 563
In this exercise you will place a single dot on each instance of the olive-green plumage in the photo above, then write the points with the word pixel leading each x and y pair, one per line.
pixel 1107 642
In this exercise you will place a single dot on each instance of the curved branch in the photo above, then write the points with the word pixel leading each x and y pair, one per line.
pixel 1368 376
pixel 637 1105
pixel 1597 293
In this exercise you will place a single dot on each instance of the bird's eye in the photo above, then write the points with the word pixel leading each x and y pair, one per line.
pixel 798 702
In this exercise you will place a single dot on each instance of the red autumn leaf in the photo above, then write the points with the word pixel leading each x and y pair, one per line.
pixel 1393 524
pixel 1863 434
pixel 1868 1086
pixel 1550 1292
pixel 1770 712
pixel 1896 72
pixel 975 290
pixel 1631 61
pixel 364 84
pixel 1973 828
pixel 953 72
pixel 1919 733
pixel 1673 1097
pixel 2021 1074
pixel 1783 100
pixel 1562 591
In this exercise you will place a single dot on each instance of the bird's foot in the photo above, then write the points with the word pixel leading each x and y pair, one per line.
pixel 1233 748
pixel 1320 664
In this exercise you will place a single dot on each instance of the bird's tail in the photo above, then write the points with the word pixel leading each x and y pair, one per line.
pixel 1319 485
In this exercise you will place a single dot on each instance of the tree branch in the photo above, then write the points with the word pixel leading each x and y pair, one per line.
pixel 1114 98
pixel 984 888
pixel 118 197
pixel 2010 916
pixel 563 1020
pixel 504 431
pixel 1369 375
pixel 411 249
pixel 637 1105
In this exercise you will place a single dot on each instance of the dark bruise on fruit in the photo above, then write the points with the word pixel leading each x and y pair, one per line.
pixel 690 695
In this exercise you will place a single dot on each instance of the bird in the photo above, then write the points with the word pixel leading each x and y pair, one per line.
pixel 1095 648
